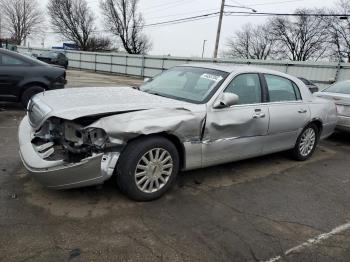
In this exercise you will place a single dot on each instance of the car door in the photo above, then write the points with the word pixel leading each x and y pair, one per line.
pixel 236 132
pixel 288 113
pixel 12 72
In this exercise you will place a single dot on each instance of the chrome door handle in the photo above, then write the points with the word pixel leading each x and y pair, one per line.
pixel 302 111
pixel 259 115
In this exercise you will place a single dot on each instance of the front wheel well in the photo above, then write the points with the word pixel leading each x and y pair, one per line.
pixel 172 138
pixel 31 84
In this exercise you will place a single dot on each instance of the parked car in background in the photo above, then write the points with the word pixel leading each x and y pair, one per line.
pixel 28 54
pixel 312 87
pixel 188 117
pixel 54 58
pixel 21 77
pixel 340 94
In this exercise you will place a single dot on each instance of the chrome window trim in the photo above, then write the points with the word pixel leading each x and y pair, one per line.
pixel 224 85
pixel 292 82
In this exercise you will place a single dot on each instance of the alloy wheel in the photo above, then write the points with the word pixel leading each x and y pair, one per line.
pixel 307 141
pixel 153 170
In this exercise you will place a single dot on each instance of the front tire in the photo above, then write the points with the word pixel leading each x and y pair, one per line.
pixel 147 168
pixel 306 143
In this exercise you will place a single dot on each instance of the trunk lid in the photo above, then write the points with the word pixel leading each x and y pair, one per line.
pixel 342 101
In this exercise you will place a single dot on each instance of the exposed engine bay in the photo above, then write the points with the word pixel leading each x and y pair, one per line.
pixel 63 139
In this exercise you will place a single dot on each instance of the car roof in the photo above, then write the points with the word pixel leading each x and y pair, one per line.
pixel 232 68
pixel 240 69
pixel 27 59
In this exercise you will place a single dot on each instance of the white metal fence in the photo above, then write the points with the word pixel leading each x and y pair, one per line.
pixel 322 73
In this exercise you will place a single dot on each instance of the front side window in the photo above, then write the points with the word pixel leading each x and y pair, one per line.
pixel 281 89
pixel 190 84
pixel 8 60
pixel 247 87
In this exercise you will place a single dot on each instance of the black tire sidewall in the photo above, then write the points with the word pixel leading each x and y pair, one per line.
pixel 296 150
pixel 29 93
pixel 129 159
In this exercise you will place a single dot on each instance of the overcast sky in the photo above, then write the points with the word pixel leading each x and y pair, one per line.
pixel 186 39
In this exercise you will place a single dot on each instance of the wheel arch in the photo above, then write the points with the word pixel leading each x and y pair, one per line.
pixel 172 138
pixel 31 84
pixel 319 124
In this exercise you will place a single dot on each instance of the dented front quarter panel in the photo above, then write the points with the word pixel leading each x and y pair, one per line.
pixel 185 123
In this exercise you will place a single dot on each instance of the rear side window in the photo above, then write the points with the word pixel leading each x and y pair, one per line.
pixel 282 89
pixel 9 60
pixel 247 87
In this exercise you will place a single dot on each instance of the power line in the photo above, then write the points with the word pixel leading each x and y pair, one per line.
pixel 186 19
pixel 169 22
pixel 179 14
pixel 285 14
pixel 238 13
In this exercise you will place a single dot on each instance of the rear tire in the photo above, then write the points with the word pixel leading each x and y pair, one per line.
pixel 306 143
pixel 147 168
pixel 29 93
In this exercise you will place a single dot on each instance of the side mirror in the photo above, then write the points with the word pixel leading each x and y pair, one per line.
pixel 226 100
pixel 147 79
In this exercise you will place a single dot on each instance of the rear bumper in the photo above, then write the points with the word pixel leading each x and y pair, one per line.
pixel 343 123
pixel 60 174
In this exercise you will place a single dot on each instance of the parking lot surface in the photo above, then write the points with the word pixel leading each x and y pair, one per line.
pixel 269 208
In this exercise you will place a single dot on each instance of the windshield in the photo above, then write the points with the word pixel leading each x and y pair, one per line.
pixel 341 87
pixel 190 84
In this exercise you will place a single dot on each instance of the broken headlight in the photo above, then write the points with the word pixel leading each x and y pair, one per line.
pixel 97 137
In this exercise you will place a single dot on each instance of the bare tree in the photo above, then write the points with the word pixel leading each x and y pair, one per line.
pixel 99 44
pixel 21 18
pixel 73 20
pixel 123 20
pixel 301 38
pixel 339 32
pixel 252 42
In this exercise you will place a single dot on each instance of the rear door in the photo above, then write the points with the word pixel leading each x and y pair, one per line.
pixel 288 113
pixel 12 72
pixel 237 132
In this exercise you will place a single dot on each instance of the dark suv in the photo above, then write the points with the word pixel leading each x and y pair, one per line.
pixel 54 58
pixel 21 77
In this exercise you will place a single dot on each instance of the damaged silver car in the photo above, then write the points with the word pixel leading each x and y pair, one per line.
pixel 188 117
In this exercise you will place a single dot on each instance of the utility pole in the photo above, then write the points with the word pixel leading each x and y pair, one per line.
pixel 219 29
pixel 203 47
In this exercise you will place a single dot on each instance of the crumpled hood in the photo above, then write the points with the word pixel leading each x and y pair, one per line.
pixel 79 102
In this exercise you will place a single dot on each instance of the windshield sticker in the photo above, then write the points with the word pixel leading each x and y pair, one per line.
pixel 211 77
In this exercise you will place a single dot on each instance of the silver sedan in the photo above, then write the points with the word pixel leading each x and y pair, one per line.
pixel 188 117
pixel 340 94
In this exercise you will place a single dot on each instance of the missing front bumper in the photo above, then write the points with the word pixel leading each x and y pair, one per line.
pixel 62 175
